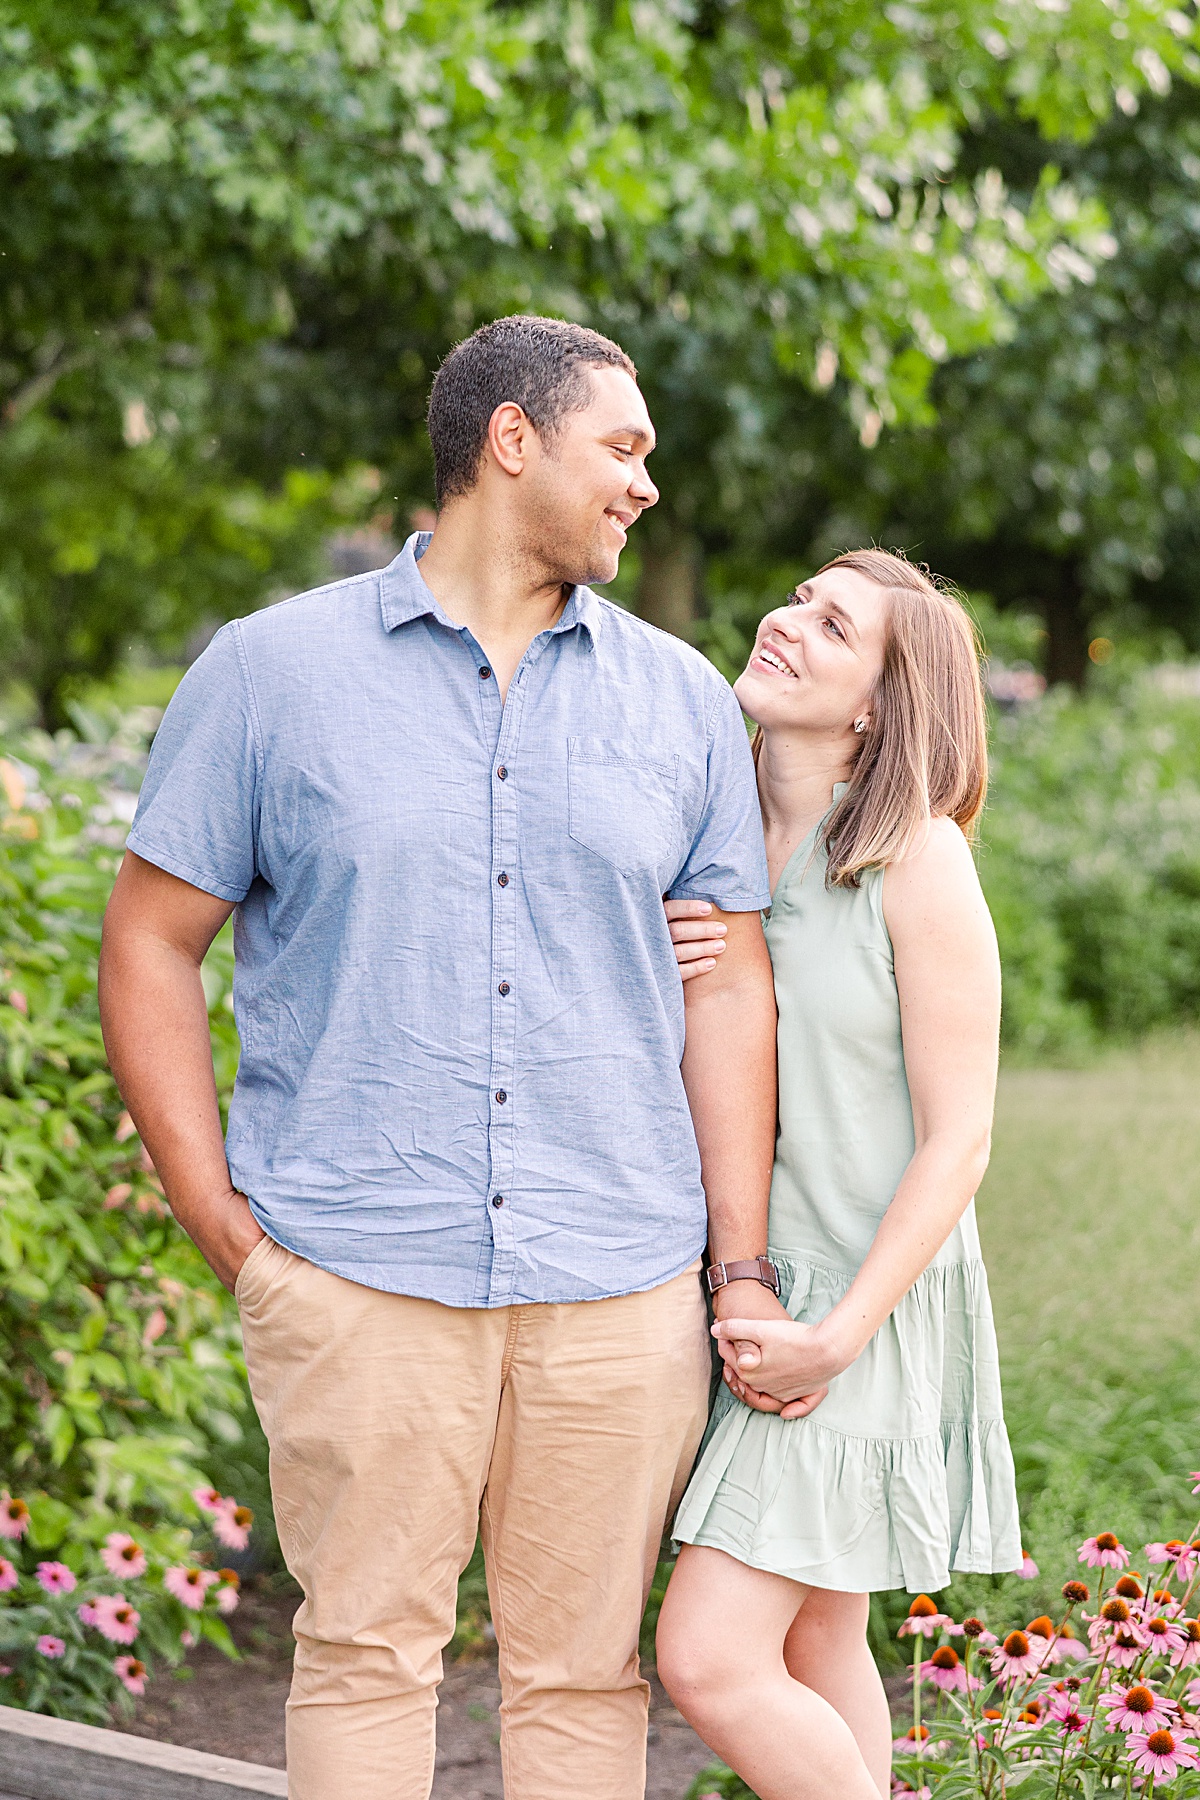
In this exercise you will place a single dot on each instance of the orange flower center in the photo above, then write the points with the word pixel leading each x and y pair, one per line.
pixel 242 1515
pixel 922 1608
pixel 1191 1630
pixel 1041 1626
pixel 1160 1743
pixel 1115 1611
pixel 1016 1644
pixel 992 1712
pixel 1076 1592
pixel 1106 1541
pixel 130 1552
pixel 945 1658
pixel 918 1733
pixel 1129 1587
pixel 1158 1627
pixel 1140 1700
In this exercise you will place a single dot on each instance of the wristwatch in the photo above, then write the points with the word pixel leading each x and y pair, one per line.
pixel 718 1275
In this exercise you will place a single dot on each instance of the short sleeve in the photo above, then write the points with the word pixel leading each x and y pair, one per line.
pixel 197 816
pixel 727 862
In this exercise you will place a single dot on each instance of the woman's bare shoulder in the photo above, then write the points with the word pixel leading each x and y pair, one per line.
pixel 936 881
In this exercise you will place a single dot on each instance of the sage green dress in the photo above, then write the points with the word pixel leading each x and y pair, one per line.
pixel 904 1472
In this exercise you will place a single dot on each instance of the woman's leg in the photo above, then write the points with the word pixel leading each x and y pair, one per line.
pixel 826 1650
pixel 720 1657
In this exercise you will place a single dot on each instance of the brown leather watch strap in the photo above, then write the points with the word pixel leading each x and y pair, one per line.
pixel 719 1275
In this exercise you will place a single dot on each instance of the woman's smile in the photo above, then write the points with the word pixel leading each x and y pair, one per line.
pixel 772 660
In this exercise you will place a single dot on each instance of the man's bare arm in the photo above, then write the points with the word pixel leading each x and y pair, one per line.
pixel 152 1007
pixel 729 1074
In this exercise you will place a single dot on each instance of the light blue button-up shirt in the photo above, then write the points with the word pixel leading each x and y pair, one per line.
pixel 460 1013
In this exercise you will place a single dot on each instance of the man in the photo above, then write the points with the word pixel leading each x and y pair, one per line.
pixel 462 1209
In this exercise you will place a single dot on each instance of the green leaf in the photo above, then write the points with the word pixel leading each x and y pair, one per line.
pixel 49 1519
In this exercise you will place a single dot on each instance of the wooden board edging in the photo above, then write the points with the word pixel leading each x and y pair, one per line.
pixel 56 1759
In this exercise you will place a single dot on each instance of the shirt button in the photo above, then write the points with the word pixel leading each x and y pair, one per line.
pixel 497 1199
pixel 504 989
pixel 502 879
pixel 485 674
pixel 502 773
pixel 501 1096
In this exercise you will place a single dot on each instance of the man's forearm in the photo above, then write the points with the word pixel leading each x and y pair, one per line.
pixel 729 1074
pixel 155 1022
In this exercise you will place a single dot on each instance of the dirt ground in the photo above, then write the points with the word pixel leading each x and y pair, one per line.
pixel 236 1709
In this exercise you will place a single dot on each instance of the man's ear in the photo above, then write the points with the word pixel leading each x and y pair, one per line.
pixel 509 432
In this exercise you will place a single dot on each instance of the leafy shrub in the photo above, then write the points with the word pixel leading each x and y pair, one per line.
pixel 122 1387
pixel 1091 863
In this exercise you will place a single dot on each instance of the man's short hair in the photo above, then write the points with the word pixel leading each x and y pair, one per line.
pixel 539 364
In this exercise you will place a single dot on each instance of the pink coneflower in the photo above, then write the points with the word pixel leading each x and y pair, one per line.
pixel 227 1593
pixel 1068 1644
pixel 1160 1753
pixel 1163 1636
pixel 1195 1476
pixel 123 1555
pixel 924 1618
pixel 1116 1614
pixel 1063 1709
pixel 1182 1557
pixel 1103 1551
pixel 14 1516
pixel 947 1671
pixel 8 1576
pixel 50 1646
pixel 917 1742
pixel 1137 1708
pixel 208 1499
pixel 976 1631
pixel 1015 1657
pixel 114 1618
pixel 131 1673
pixel 1028 1570
pixel 1189 1651
pixel 55 1577
pixel 231 1526
pixel 189 1586
pixel 1126 1648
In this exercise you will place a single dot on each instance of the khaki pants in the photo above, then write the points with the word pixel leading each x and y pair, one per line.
pixel 391 1421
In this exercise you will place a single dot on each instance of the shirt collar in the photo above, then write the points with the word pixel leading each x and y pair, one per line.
pixel 404 596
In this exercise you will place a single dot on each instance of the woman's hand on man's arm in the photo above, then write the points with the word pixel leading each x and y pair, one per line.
pixel 699 939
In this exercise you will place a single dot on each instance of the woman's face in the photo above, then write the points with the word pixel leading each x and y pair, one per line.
pixel 816 660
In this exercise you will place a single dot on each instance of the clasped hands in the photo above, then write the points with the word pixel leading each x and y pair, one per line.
pixel 777 1365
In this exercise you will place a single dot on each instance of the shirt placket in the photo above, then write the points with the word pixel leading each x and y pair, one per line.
pixel 503 1100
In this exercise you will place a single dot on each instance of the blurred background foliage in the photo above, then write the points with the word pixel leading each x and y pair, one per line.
pixel 923 272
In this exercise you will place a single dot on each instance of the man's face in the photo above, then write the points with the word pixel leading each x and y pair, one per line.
pixel 588 484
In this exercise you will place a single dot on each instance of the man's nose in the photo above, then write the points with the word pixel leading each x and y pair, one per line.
pixel 641 488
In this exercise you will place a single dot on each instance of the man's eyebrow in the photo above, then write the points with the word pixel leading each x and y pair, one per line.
pixel 638 433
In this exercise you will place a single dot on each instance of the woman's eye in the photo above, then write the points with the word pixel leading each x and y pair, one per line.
pixel 834 626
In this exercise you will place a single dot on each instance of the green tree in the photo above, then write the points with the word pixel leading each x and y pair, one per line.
pixel 252 226
pixel 1067 462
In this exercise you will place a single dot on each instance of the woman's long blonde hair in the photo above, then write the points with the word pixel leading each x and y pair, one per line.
pixel 924 752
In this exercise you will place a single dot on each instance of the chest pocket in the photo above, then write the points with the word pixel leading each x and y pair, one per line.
pixel 622 804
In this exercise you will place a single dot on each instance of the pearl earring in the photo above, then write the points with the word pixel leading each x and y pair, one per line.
pixel 860 725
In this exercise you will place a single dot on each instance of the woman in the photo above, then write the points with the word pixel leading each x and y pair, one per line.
pixel 857 1444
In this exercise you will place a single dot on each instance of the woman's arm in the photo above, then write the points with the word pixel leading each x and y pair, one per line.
pixel 948 978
